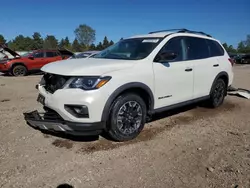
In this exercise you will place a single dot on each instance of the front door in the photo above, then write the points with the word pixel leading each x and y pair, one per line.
pixel 173 79
pixel 38 60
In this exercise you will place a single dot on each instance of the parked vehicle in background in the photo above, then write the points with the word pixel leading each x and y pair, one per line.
pixel 86 54
pixel 3 55
pixel 120 87
pixel 245 59
pixel 6 53
pixel 20 65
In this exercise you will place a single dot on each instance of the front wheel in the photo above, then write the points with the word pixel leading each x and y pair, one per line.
pixel 127 117
pixel 218 93
pixel 19 70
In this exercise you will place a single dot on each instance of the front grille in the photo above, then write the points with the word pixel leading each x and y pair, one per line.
pixel 53 82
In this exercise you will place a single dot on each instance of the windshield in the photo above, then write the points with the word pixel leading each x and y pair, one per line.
pixel 130 49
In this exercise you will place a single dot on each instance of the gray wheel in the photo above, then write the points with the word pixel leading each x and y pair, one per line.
pixel 127 117
pixel 19 70
pixel 218 93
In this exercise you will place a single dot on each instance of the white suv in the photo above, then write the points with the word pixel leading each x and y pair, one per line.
pixel 129 81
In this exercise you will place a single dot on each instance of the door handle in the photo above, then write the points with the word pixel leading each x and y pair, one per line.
pixel 188 69
pixel 215 65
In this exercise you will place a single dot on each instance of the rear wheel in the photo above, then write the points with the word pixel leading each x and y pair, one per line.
pixel 19 70
pixel 127 117
pixel 218 93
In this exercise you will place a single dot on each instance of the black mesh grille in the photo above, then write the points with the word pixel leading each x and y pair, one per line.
pixel 54 82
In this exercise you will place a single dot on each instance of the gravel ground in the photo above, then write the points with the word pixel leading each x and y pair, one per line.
pixel 191 147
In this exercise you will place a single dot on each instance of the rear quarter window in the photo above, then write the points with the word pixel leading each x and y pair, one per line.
pixel 215 48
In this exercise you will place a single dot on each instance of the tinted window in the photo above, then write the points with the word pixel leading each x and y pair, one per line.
pixel 197 48
pixel 175 45
pixel 214 48
pixel 51 54
pixel 38 54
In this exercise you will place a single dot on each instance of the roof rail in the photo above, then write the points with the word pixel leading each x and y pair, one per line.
pixel 167 30
pixel 182 31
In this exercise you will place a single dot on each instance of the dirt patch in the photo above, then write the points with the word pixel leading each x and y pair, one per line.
pixel 195 147
pixel 151 132
pixel 46 136
pixel 146 135
pixel 62 143
pixel 5 100
pixel 229 169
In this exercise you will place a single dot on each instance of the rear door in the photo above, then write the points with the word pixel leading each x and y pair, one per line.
pixel 206 67
pixel 52 56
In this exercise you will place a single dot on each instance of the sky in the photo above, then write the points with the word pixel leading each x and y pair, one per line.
pixel 226 20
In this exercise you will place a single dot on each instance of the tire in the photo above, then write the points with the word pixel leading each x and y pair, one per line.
pixel 218 93
pixel 19 70
pixel 127 117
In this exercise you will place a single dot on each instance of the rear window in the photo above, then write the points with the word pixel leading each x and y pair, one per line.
pixel 197 48
pixel 215 48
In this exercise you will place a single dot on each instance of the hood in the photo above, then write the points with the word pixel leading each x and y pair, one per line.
pixel 13 53
pixel 86 67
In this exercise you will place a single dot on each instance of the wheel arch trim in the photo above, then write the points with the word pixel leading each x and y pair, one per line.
pixel 223 73
pixel 121 89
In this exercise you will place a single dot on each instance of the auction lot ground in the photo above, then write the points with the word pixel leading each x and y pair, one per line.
pixel 198 147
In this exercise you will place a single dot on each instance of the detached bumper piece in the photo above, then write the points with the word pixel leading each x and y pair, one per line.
pixel 51 121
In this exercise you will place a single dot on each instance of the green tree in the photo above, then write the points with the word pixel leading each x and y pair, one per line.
pixel 37 41
pixel 67 43
pixel 231 49
pixel 76 47
pixel 92 47
pixel 21 43
pixel 2 39
pixel 225 46
pixel 50 42
pixel 247 44
pixel 241 47
pixel 105 42
pixel 99 46
pixel 85 35
pixel 111 43
pixel 61 43
pixel 247 41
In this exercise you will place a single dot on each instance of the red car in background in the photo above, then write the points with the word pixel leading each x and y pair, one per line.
pixel 20 65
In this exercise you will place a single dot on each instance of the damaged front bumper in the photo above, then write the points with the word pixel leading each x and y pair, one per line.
pixel 51 121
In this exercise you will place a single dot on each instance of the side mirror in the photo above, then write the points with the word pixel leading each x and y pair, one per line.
pixel 166 56
pixel 31 57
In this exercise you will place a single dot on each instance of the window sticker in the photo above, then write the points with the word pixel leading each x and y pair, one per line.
pixel 151 40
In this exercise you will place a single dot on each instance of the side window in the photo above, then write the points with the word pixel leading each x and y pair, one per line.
pixel 197 48
pixel 38 55
pixel 51 54
pixel 176 46
pixel 214 48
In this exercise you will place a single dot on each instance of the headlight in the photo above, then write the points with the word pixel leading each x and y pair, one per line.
pixel 88 83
